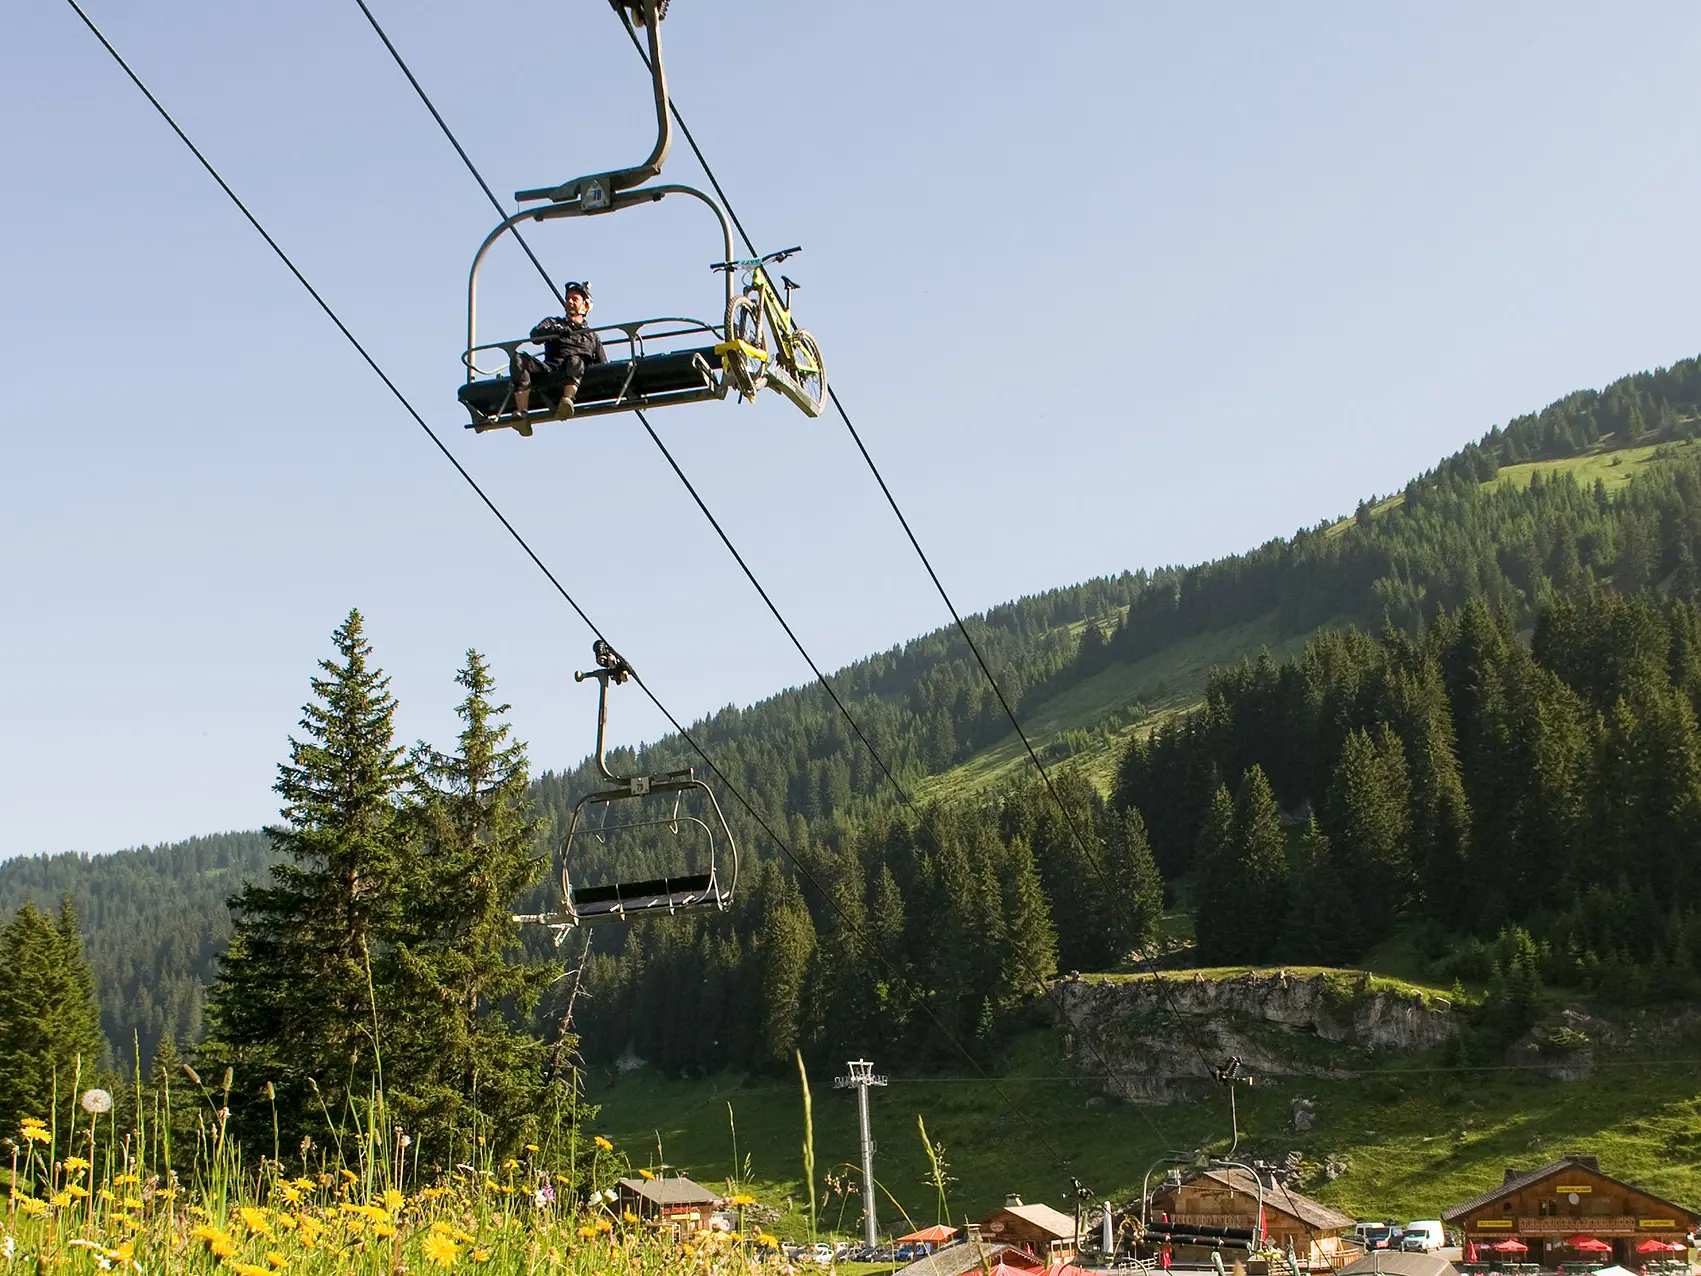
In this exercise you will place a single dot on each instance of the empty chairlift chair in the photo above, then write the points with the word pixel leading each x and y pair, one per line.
pixel 637 815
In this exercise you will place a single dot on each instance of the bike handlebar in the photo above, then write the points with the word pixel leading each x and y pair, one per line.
pixel 756 261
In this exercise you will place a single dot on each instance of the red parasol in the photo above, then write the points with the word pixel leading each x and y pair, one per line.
pixel 1652 1246
pixel 935 1235
pixel 1588 1245
pixel 1511 1245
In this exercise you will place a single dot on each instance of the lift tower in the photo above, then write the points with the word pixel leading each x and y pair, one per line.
pixel 860 1078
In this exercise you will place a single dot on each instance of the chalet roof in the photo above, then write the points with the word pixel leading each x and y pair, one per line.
pixel 1314 1214
pixel 1041 1216
pixel 678 1190
pixel 1573 1164
pixel 1396 1263
pixel 965 1256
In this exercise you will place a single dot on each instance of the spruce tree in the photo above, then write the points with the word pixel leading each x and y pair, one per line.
pixel 786 949
pixel 462 991
pixel 50 1038
pixel 1369 826
pixel 1029 955
pixel 1139 905
pixel 1215 925
pixel 293 1004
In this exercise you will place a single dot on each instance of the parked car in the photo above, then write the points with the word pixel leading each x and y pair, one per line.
pixel 821 1253
pixel 1423 1235
pixel 1372 1235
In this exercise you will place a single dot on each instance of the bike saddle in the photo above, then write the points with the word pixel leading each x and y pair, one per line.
pixel 786 280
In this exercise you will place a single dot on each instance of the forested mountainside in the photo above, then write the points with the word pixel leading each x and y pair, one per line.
pixel 154 922
pixel 1453 535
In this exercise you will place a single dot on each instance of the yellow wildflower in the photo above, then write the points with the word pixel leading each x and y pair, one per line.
pixel 247 1269
pixel 481 1256
pixel 349 1176
pixel 123 1180
pixel 531 1147
pixel 629 1217
pixel 258 1221
pixel 29 1205
pixel 510 1164
pixel 645 1174
pixel 36 1134
pixel 442 1229
pixel 441 1250
pixel 77 1190
pixel 76 1163
pixel 217 1242
pixel 59 1200
pixel 393 1200
pixel 124 1253
pixel 587 1231
pixel 603 1225
pixel 384 1230
pixel 290 1193
pixel 604 1144
pixel 131 1202
pixel 276 1259
pixel 305 1184
pixel 742 1200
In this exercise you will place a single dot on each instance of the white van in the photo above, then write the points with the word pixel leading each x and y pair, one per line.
pixel 1423 1236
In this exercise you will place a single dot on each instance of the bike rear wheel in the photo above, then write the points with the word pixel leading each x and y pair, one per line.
pixel 749 374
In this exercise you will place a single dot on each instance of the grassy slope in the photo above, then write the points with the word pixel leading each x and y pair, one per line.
pixel 1416 1137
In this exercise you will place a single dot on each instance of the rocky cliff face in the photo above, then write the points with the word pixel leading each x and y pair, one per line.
pixel 1279 1024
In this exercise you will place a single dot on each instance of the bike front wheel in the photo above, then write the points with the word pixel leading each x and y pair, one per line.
pixel 749 373
pixel 810 370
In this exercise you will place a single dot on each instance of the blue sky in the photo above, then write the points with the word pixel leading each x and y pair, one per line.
pixel 1104 285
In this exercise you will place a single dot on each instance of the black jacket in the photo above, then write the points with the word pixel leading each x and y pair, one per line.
pixel 562 337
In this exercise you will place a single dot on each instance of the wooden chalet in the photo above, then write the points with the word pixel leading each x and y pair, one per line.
pixel 1045 1233
pixel 1228 1199
pixel 1555 1210
pixel 675 1201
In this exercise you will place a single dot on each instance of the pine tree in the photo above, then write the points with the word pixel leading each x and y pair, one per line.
pixel 1318 902
pixel 460 985
pixel 1215 926
pixel 1139 905
pixel 1029 955
pixel 786 950
pixel 1368 826
pixel 293 1002
pixel 50 1038
pixel 1243 886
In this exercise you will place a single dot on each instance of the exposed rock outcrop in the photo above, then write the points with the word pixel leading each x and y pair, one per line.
pixel 1278 1023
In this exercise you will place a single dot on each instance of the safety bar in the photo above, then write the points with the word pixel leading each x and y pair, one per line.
pixel 633 338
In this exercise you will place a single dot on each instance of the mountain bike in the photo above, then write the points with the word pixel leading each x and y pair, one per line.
pixel 793 366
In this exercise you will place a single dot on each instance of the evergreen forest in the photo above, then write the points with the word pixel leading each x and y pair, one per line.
pixel 1486 738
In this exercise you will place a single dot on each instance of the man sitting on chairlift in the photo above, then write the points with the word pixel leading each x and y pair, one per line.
pixel 569 347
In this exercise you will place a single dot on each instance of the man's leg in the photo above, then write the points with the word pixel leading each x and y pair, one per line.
pixel 573 369
pixel 520 368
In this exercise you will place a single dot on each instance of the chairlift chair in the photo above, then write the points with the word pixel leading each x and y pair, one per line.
pixel 667 360
pixel 701 888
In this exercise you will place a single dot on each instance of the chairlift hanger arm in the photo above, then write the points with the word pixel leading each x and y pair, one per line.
pixel 601 187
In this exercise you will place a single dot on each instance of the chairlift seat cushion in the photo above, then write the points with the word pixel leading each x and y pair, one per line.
pixel 656 375
pixel 668 894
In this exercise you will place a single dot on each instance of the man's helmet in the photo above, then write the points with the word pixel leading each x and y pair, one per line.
pixel 580 286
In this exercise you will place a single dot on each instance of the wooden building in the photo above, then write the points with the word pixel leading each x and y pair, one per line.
pixel 687 1206
pixel 1045 1233
pixel 1230 1197
pixel 1555 1209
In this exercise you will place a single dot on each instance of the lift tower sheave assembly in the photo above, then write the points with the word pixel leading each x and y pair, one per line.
pixel 861 1077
